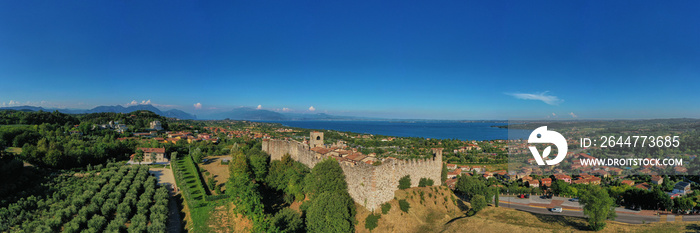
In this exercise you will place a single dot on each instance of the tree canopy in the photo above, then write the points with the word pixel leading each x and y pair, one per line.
pixel 598 206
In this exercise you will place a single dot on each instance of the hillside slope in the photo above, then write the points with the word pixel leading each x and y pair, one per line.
pixel 427 214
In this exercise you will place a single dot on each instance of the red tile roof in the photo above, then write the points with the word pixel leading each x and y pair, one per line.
pixel 151 150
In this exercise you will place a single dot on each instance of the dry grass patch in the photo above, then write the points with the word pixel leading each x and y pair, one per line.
pixel 506 220
pixel 427 214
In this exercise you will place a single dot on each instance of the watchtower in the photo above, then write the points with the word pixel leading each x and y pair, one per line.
pixel 316 139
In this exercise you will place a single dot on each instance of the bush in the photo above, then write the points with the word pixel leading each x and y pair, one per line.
pixel 404 206
pixel 372 221
pixel 386 207
pixel 405 182
pixel 425 182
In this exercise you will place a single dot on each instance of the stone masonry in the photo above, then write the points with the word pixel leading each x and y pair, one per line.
pixel 368 185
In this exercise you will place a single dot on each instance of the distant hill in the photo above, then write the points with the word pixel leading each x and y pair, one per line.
pixel 179 114
pixel 245 113
pixel 242 113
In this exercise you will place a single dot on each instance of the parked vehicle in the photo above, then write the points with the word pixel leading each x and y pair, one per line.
pixel 574 199
pixel 521 196
pixel 556 210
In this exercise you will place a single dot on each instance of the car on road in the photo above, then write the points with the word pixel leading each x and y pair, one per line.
pixel 556 210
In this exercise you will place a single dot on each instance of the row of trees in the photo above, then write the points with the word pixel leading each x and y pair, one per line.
pixel 107 202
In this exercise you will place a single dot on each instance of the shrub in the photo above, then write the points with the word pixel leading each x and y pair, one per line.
pixel 404 206
pixel 371 221
pixel 405 182
pixel 386 207
pixel 425 182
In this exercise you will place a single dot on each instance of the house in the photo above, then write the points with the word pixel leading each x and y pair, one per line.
pixel 682 188
pixel 644 186
pixel 150 155
pixel 658 180
pixel 451 166
pixel 121 128
pixel 451 183
pixel 534 183
pixel 547 182
pixel 563 177
pixel 680 170
pixel 601 173
pixel 594 180
pixel 155 125
pixel 454 174
pixel 627 182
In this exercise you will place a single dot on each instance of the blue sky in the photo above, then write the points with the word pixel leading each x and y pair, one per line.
pixel 396 59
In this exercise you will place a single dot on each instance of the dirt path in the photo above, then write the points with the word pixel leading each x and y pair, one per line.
pixel 166 178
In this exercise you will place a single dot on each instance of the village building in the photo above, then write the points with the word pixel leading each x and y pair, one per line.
pixel 150 156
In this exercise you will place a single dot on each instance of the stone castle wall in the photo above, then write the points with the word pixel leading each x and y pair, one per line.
pixel 368 185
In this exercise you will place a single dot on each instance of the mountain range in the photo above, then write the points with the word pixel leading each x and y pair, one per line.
pixel 174 113
pixel 242 113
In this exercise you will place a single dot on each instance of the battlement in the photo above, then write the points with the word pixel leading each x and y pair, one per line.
pixel 368 185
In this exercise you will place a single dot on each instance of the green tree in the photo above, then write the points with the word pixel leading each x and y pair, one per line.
pixel 326 176
pixel 404 205
pixel 478 202
pixel 259 162
pixel 330 212
pixel 405 182
pixel 497 193
pixel 288 221
pixel 470 186
pixel 372 221
pixel 598 206
pixel 443 174
pixel 139 156
pixel 683 204
pixel 425 182
pixel 386 207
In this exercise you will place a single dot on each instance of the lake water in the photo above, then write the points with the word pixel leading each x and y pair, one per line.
pixel 441 130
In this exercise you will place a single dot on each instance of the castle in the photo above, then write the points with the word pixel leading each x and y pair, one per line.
pixel 368 185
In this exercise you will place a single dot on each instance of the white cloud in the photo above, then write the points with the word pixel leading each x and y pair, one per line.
pixel 573 115
pixel 12 103
pixel 145 102
pixel 548 99
pixel 259 106
pixel 198 106
pixel 285 109
pixel 554 114
pixel 312 108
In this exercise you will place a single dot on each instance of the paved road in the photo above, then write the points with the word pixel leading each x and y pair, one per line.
pixel 574 212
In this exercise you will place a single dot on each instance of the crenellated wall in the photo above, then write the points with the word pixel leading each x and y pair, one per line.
pixel 368 185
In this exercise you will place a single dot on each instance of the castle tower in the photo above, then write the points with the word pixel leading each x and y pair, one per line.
pixel 316 139
pixel 437 152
